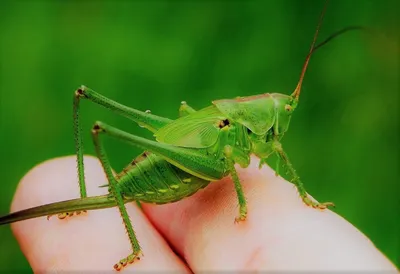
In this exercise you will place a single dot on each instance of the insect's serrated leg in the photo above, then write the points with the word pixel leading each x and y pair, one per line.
pixel 147 120
pixel 277 146
pixel 144 119
pixel 187 159
pixel 229 152
pixel 115 191
pixel 185 109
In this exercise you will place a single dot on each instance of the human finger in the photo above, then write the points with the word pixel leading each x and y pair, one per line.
pixel 92 241
pixel 281 233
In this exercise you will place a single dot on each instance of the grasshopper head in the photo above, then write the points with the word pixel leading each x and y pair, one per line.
pixel 284 105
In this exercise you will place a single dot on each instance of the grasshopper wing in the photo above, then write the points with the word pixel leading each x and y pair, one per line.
pixel 197 130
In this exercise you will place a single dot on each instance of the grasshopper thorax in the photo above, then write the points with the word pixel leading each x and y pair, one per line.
pixel 260 113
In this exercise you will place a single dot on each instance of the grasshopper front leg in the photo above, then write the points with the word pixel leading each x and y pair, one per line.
pixel 277 147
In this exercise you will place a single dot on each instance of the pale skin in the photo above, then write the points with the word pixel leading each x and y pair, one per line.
pixel 280 233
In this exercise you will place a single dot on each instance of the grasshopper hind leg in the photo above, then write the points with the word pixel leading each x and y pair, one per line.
pixel 149 121
pixel 64 215
pixel 116 193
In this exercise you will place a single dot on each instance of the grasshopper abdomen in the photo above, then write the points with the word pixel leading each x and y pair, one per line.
pixel 151 179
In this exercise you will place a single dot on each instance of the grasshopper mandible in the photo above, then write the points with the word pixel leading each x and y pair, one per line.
pixel 188 154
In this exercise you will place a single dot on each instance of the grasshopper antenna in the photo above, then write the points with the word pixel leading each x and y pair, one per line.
pixel 340 32
pixel 296 92
pixel 327 40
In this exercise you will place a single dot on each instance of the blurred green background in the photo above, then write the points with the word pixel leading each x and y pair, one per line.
pixel 343 139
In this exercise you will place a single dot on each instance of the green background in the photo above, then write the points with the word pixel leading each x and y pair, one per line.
pixel 343 139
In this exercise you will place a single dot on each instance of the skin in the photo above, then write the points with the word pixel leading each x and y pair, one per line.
pixel 280 233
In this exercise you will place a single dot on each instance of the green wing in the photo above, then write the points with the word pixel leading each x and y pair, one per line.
pixel 197 130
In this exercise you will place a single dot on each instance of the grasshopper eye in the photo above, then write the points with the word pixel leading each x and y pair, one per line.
pixel 288 108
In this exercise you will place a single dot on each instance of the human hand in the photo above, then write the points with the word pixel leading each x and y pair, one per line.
pixel 280 233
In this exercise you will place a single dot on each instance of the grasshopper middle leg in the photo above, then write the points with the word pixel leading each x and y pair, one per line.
pixel 233 155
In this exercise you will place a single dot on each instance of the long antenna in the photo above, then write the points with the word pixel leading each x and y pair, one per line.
pixel 340 32
pixel 296 92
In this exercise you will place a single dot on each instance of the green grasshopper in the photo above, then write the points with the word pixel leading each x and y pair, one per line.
pixel 188 154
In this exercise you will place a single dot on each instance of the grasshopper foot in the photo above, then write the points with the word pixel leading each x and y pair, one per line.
pixel 242 217
pixel 128 260
pixel 64 215
pixel 262 162
pixel 313 204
